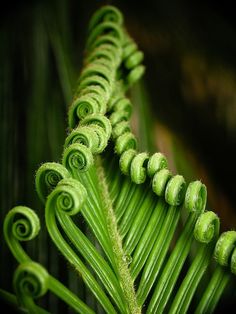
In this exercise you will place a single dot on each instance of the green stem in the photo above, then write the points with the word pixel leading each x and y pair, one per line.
pixel 93 212
pixel 68 297
pixel 173 267
pixel 124 275
pixel 158 253
pixel 213 292
pixel 148 239
pixel 191 281
pixel 95 260
pixel 132 208
pixel 139 223
pixel 72 257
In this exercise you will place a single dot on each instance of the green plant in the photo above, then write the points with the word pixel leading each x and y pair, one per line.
pixel 115 217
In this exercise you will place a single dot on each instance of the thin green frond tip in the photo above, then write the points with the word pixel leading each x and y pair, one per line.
pixel 225 250
pixel 30 279
pixel 47 177
pixel 20 224
pixel 207 227
pixel 70 196
pixel 77 158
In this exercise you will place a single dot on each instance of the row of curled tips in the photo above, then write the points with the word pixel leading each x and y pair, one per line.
pixel 139 166
pixel 103 55
pixel 174 188
pixel 89 138
pixel 207 229
pixel 107 20
pixel 132 67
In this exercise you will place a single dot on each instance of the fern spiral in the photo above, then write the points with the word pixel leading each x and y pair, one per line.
pixel 30 279
pixel 225 250
pixel 47 177
pixel 77 158
pixel 20 224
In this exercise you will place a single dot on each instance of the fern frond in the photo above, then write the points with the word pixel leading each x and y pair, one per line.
pixel 119 217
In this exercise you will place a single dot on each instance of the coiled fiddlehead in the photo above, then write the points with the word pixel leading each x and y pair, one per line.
pixel 155 163
pixel 104 54
pixel 225 252
pixel 126 159
pixel 160 180
pixel 138 170
pixel 89 99
pixel 83 135
pixel 30 279
pixel 123 104
pixel 97 69
pixel 118 116
pixel 47 177
pixel 95 80
pixel 92 136
pixel 20 224
pixel 106 13
pixel 196 196
pixel 81 107
pixel 70 196
pixel 207 227
pixel 88 103
pixel 100 120
pixel 120 128
pixel 131 61
pixel 175 190
pixel 108 44
pixel 124 142
pixel 77 158
pixel 104 28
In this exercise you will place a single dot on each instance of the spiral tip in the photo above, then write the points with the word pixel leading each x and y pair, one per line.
pixel 225 251
pixel 124 142
pixel 47 177
pixel 77 158
pixel 106 13
pixel 100 120
pixel 30 279
pixel 207 227
pixel 126 159
pixel 156 162
pixel 22 222
pixel 160 180
pixel 175 190
pixel 138 168
pixel 196 197
pixel 68 197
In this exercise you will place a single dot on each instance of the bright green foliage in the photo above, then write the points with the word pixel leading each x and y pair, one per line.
pixel 143 254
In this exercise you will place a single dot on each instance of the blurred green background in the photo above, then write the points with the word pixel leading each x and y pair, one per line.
pixel 189 93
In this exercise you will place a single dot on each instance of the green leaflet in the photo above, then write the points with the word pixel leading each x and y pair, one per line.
pixel 113 211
